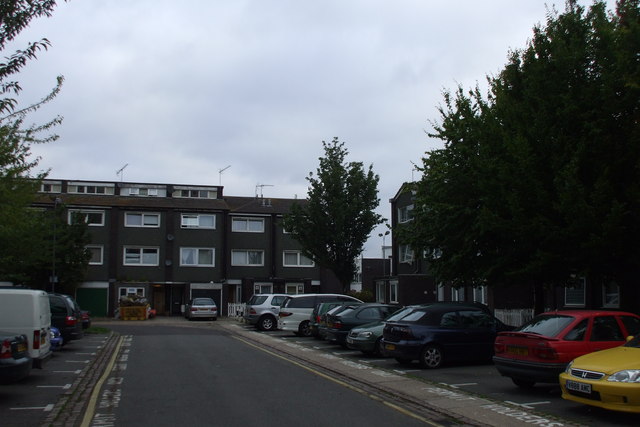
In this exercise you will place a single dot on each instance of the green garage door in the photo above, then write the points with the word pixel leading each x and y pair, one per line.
pixel 93 300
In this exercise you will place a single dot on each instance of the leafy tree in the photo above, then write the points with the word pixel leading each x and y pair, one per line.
pixel 539 179
pixel 338 216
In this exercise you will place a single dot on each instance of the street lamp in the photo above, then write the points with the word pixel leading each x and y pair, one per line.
pixel 384 260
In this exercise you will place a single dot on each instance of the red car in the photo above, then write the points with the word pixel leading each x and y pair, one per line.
pixel 540 350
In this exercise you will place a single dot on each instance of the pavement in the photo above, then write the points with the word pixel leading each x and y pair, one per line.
pixel 466 408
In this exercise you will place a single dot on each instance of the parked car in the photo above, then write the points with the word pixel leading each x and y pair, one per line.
pixel 262 311
pixel 442 332
pixel 199 308
pixel 318 318
pixel 15 362
pixel 608 379
pixel 368 337
pixel 66 316
pixel 56 339
pixel 296 310
pixel 86 319
pixel 339 324
pixel 26 312
pixel 540 350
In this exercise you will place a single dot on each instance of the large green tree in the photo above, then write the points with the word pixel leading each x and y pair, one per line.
pixel 539 179
pixel 335 221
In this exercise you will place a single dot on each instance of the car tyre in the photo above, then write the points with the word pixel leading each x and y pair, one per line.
pixel 431 357
pixel 304 330
pixel 267 323
pixel 526 384
pixel 378 349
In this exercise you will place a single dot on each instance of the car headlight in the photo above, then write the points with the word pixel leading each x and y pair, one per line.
pixel 568 368
pixel 366 334
pixel 626 376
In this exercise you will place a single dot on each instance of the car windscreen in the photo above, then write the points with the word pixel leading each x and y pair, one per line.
pixel 257 300
pixel 203 301
pixel 400 314
pixel 548 325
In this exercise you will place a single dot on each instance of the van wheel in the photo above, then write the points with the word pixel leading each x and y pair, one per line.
pixel 304 330
pixel 431 357
pixel 526 384
pixel 266 323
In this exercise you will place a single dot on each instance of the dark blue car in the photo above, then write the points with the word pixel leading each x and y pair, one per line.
pixel 443 332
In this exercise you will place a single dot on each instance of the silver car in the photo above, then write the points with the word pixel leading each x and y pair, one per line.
pixel 201 308
pixel 262 310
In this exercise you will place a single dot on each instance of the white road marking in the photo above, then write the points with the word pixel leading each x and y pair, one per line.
pixel 459 385
pixel 47 408
pixel 70 372
pixel 77 361
pixel 65 387
pixel 529 405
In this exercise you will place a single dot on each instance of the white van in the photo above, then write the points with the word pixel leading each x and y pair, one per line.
pixel 26 311
pixel 296 310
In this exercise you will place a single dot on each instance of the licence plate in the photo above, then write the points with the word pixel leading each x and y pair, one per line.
pixel 389 347
pixel 580 387
pixel 22 348
pixel 519 351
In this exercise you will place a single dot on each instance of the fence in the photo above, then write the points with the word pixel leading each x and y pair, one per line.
pixel 235 309
pixel 515 317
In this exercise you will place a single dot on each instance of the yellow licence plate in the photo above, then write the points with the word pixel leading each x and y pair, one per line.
pixel 519 351
pixel 22 347
pixel 577 386
pixel 389 347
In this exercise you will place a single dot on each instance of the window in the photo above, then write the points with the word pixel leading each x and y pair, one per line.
pixel 197 257
pixel 142 220
pixel 457 294
pixel 574 295
pixel 406 254
pixel 248 225
pixel 296 259
pixel 441 292
pixel 126 292
pixel 96 255
pixel 393 292
pixel 194 193
pixel 50 188
pixel 251 258
pixel 91 218
pixel 606 328
pixel 611 295
pixel 578 332
pixel 198 221
pixel 145 192
pixel 90 189
pixel 141 256
pixel 294 288
pixel 380 291
pixel 404 214
pixel 262 288
pixel 480 294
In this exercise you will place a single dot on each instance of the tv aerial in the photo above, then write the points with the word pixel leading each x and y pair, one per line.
pixel 220 174
pixel 120 172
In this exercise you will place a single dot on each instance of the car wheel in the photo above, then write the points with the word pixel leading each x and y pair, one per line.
pixel 431 357
pixel 402 361
pixel 523 383
pixel 378 349
pixel 266 323
pixel 304 330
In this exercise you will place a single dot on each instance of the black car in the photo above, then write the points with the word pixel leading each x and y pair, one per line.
pixel 15 362
pixel 443 332
pixel 66 316
pixel 352 315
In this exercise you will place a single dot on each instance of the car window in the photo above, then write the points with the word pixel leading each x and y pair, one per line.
pixel 277 300
pixel 548 325
pixel 346 310
pixel 370 313
pixel 632 324
pixel 606 328
pixel 400 314
pixel 257 300
pixel 578 332
pixel 476 319
pixel 301 302
pixel 449 319
pixel 57 305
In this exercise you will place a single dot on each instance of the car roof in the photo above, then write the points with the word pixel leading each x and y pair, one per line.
pixel 587 313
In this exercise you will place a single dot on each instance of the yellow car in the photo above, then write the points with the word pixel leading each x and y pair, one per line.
pixel 608 379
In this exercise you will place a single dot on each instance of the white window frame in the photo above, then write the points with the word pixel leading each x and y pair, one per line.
pixel 246 220
pixel 299 258
pixel 185 224
pixel 393 291
pixel 234 262
pixel 405 254
pixel 100 248
pixel 576 296
pixel 404 214
pixel 457 294
pixel 294 288
pixel 440 292
pixel 196 257
pixel 611 295
pixel 86 213
pixel 480 294
pixel 380 291
pixel 127 291
pixel 142 215
pixel 141 250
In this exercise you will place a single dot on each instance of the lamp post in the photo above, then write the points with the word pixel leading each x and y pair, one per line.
pixel 54 278
pixel 384 260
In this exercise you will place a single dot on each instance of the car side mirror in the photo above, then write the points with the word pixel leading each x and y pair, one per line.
pixel 629 338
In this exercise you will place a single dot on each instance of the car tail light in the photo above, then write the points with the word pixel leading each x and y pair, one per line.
pixel 194 309
pixel 337 325
pixel 543 351
pixel 5 350
pixel 284 314
pixel 499 347
pixel 70 321
pixel 36 340
pixel 317 318
pixel 252 311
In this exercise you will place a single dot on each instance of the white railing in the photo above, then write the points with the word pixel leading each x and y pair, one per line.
pixel 235 309
pixel 514 317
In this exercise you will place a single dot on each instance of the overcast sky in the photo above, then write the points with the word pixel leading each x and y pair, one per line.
pixel 179 90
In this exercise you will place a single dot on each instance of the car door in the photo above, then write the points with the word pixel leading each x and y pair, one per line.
pixel 605 333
